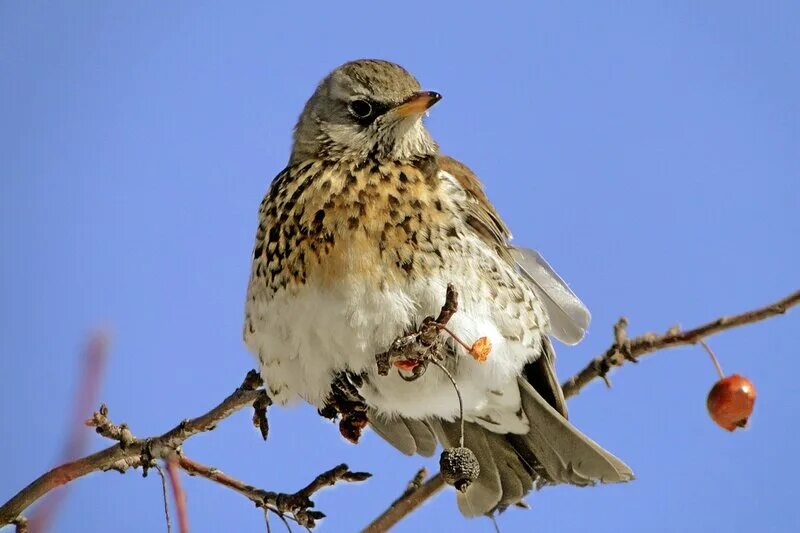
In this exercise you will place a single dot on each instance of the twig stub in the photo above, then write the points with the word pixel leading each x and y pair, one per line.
pixel 297 506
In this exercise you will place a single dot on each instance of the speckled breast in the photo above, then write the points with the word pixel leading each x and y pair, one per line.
pixel 330 220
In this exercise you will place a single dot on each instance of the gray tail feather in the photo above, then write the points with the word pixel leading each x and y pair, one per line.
pixel 553 451
pixel 407 435
pixel 566 454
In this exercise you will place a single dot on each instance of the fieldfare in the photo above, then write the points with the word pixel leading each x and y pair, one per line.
pixel 358 238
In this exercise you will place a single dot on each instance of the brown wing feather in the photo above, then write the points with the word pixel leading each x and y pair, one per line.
pixel 481 214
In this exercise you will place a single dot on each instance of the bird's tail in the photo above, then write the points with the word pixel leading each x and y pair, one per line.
pixel 553 451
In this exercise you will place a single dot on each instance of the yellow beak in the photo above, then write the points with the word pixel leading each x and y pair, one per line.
pixel 417 103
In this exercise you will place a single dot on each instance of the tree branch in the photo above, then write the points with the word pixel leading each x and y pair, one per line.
pixel 298 505
pixel 405 505
pixel 625 349
pixel 131 452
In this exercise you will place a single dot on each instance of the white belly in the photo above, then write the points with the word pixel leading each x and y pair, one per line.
pixel 305 335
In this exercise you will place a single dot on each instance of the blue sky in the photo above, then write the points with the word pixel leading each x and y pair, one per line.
pixel 650 150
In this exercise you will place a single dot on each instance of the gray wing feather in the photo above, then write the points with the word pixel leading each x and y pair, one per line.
pixel 423 435
pixel 568 455
pixel 394 431
pixel 569 318
pixel 409 436
pixel 515 481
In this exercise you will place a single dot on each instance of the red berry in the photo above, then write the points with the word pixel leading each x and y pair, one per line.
pixel 730 401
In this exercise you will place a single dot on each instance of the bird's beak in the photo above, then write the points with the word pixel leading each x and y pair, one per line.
pixel 417 104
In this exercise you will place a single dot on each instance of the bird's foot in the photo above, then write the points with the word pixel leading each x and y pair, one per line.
pixel 347 405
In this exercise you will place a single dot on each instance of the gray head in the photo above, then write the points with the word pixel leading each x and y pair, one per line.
pixel 365 107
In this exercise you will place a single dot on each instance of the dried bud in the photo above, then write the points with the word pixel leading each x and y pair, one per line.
pixel 459 467
pixel 480 349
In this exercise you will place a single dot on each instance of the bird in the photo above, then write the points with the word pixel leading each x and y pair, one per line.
pixel 357 240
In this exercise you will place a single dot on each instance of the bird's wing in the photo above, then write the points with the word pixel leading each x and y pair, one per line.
pixel 569 317
pixel 553 450
pixel 407 435
pixel 480 214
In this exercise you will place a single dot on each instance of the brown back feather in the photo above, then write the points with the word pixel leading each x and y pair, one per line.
pixel 481 214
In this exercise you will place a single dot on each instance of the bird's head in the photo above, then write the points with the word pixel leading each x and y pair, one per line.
pixel 365 108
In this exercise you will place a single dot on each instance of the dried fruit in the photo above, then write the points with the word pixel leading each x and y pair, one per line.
pixel 459 467
pixel 406 364
pixel 481 349
pixel 730 401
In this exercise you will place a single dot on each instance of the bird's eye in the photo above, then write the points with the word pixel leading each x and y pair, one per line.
pixel 360 108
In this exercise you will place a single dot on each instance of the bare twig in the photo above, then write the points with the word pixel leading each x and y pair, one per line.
pixel 178 495
pixel 458 394
pixel 714 359
pixel 161 473
pixel 256 495
pixel 91 376
pixel 285 523
pixel 450 305
pixel 632 349
pixel 405 505
pixel 456 338
pixel 416 482
pixel 134 454
pixel 297 506
pixel 105 427
pixel 413 486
